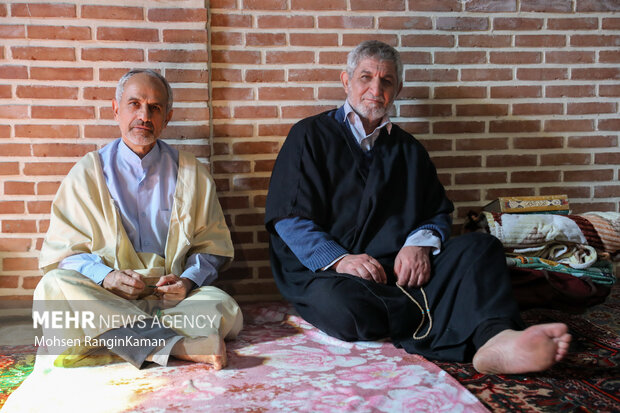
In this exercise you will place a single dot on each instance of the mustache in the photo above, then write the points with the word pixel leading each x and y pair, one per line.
pixel 146 124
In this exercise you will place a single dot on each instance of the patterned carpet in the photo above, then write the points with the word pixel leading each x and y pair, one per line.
pixel 588 380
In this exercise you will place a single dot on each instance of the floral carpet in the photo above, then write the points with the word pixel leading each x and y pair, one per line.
pixel 279 363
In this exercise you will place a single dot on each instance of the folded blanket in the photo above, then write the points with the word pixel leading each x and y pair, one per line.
pixel 601 272
pixel 600 230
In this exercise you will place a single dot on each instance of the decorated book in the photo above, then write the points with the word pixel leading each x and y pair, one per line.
pixel 545 204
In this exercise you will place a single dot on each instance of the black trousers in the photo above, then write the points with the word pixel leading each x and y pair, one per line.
pixel 469 297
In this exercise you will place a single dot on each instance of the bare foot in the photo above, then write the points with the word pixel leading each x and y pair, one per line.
pixel 207 350
pixel 513 352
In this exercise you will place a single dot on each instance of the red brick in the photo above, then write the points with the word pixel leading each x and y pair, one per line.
pixel 264 165
pixel 5 131
pixel 190 95
pixel 289 57
pixel 565 159
pixel 18 188
pixel 515 58
pixel 607 159
pixel 591 107
pixel 546 142
pixel 511 160
pixel 12 226
pixel 492 194
pixel 59 32
pixel 414 92
pixel 223 4
pixel 127 34
pixel 43 225
pixel 587 40
pixel 300 112
pixel 191 114
pixel 99 93
pixel 265 4
pixel 47 168
pixel 352 40
pixel 233 20
pixel 232 131
pixel 245 220
pixel 314 39
pixel 13 72
pixel 458 127
pixel 30 283
pixel 229 93
pixel 251 184
pixel 319 4
pixel 597 5
pixel 235 57
pixel 431 75
pixel 285 93
pixel 15 149
pixel 570 57
pixel 250 148
pixel 537 109
pixel 449 58
pixel 265 39
pixel 486 41
pixel 428 40
pixel 611 23
pixel 100 131
pixel 46 92
pixel 226 38
pixel 231 167
pixel 237 202
pixel 226 75
pixel 482 110
pixel 39 207
pixel 3 10
pixel 515 23
pixel 462 23
pixel 415 128
pixel 281 22
pixel 535 176
pixel 549 6
pixel 345 22
pixel 571 191
pixel 112 54
pixel 405 23
pixel 459 92
pixel 112 12
pixel 20 263
pixel 417 111
pixel 61 73
pixel 460 161
pixel 609 56
pixel 13 111
pixel 9 281
pixel 5 91
pixel 178 14
pixel 436 145
pixel 583 23
pixel 491 5
pixel 486 74
pixel 475 178
pixel 414 58
pixel 463 195
pixel 63 112
pixel 542 74
pixel 570 91
pixel 385 5
pixel 514 126
pixel 609 90
pixel 569 125
pixel 42 10
pixel 264 76
pixel 593 73
pixel 14 245
pixel 12 207
pixel 609 141
pixel 333 58
pixel 186 132
pixel 589 175
pixel 274 130
pixel 479 144
pixel 62 149
pixel 180 56
pixel 187 75
pixel 609 124
pixel 434 5
pixel 12 31
pixel 313 75
pixel 47 188
pixel 9 168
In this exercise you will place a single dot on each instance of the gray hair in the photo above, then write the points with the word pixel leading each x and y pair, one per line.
pixel 376 49
pixel 121 85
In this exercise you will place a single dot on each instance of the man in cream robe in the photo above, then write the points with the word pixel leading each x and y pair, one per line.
pixel 85 219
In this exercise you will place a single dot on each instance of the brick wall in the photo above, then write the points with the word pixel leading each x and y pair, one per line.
pixel 509 97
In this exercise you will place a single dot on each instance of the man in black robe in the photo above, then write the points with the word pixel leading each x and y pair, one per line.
pixel 359 238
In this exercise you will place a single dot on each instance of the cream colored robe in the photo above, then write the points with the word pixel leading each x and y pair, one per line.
pixel 84 219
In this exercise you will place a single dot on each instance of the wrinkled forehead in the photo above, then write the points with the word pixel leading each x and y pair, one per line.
pixel 374 65
pixel 143 85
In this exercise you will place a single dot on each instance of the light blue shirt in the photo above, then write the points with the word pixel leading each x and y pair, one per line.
pixel 142 189
pixel 314 248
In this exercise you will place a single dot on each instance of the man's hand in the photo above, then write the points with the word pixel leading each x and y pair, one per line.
pixel 363 266
pixel 173 288
pixel 412 266
pixel 124 283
